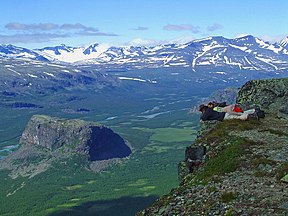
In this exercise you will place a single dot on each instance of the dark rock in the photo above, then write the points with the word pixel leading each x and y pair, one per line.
pixel 83 110
pixel 22 105
pixel 47 140
pixel 205 127
pixel 285 207
pixel 283 111
pixel 9 94
pixel 74 136
pixel 195 153
pixel 269 95
pixel 193 158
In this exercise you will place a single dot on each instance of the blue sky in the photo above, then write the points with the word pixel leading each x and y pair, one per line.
pixel 36 24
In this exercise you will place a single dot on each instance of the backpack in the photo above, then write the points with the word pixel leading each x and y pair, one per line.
pixel 260 113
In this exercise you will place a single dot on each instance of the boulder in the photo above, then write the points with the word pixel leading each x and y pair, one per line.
pixel 269 95
pixel 194 156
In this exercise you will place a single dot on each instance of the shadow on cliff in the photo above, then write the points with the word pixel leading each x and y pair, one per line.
pixel 124 206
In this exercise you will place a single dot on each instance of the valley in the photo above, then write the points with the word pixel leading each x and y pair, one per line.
pixel 153 118
pixel 148 107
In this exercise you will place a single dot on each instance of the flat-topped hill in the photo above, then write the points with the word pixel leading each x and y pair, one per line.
pixel 47 139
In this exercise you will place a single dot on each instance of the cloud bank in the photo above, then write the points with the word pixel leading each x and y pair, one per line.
pixel 140 28
pixel 46 32
pixel 182 27
pixel 214 27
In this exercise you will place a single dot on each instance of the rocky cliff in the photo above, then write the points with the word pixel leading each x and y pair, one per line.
pixel 270 95
pixel 236 167
pixel 48 139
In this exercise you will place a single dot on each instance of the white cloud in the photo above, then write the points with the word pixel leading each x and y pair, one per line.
pixel 241 35
pixel 46 32
pixel 150 42
pixel 143 42
pixel 214 27
pixel 183 39
pixel 140 28
pixel 182 27
pixel 30 38
pixel 273 38
pixel 28 27
pixel 268 38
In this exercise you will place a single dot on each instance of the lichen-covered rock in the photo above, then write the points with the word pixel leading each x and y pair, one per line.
pixel 285 178
pixel 205 127
pixel 244 171
pixel 269 95
pixel 48 139
pixel 195 154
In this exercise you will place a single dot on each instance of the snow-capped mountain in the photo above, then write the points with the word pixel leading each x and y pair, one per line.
pixel 11 51
pixel 244 53
pixel 70 54
pixel 284 43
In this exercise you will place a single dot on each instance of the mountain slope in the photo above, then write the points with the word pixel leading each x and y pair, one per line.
pixel 236 167
pixel 10 51
pixel 244 53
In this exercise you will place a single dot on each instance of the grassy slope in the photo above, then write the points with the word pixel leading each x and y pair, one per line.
pixel 250 158
pixel 149 173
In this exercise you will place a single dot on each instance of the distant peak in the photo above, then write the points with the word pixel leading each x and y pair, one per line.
pixel 284 42
pixel 245 37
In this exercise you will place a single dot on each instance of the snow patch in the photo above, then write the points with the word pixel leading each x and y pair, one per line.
pixel 49 74
pixel 14 71
pixel 221 72
pixel 31 75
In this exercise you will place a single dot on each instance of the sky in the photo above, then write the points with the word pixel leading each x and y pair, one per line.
pixel 42 23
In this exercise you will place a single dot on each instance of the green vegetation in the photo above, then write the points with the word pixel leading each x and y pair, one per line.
pixel 282 171
pixel 228 157
pixel 226 161
pixel 135 182
pixel 276 132
pixel 263 160
pixel 229 212
pixel 228 197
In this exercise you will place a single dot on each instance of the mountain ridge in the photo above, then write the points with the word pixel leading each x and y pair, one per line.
pixel 247 52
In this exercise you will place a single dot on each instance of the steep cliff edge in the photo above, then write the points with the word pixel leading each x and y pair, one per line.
pixel 236 167
pixel 270 95
pixel 48 139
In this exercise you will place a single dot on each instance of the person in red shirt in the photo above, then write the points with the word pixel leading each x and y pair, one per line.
pixel 210 114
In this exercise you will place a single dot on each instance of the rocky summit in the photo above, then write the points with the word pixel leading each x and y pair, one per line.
pixel 48 139
pixel 236 167
pixel 270 95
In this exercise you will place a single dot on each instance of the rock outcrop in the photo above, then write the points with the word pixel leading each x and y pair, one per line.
pixel 269 95
pixel 47 139
pixel 235 167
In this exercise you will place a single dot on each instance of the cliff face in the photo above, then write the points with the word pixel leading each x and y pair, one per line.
pixel 47 139
pixel 74 136
pixel 270 95
pixel 236 167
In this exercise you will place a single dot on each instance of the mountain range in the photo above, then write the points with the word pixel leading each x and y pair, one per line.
pixel 244 53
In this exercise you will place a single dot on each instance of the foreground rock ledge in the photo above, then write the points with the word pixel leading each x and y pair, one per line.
pixel 47 139
pixel 236 167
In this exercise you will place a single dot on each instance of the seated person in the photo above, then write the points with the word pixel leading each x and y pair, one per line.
pixel 210 114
